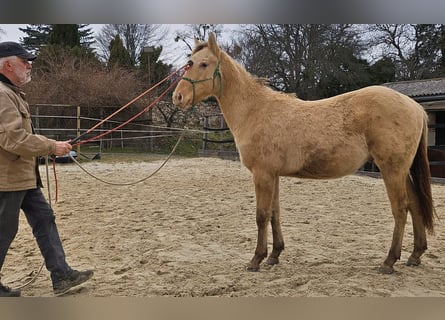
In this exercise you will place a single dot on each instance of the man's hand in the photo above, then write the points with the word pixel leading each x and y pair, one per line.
pixel 62 148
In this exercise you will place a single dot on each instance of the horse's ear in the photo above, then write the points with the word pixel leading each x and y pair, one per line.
pixel 197 42
pixel 212 44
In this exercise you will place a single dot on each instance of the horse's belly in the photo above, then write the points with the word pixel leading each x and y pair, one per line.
pixel 326 172
pixel 334 164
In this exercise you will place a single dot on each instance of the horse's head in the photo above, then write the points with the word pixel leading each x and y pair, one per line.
pixel 202 77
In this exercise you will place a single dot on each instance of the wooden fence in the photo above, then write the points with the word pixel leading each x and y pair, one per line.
pixel 217 140
pixel 70 123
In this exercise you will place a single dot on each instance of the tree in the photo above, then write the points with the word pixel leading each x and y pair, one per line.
pixel 152 70
pixel 343 72
pixel 64 39
pixel 313 61
pixel 134 38
pixel 382 71
pixel 417 50
pixel 77 80
pixel 427 49
pixel 442 50
pixel 157 69
pixel 37 36
pixel 86 36
pixel 119 56
pixel 65 35
pixel 198 31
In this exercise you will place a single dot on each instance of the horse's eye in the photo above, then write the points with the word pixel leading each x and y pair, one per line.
pixel 203 64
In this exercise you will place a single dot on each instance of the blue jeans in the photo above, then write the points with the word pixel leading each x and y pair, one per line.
pixel 40 217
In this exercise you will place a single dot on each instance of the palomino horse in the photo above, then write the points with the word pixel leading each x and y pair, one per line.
pixel 279 135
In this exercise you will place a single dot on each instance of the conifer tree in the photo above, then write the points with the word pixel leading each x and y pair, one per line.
pixel 37 36
pixel 118 54
pixel 65 35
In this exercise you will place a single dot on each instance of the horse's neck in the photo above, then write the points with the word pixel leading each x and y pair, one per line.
pixel 237 98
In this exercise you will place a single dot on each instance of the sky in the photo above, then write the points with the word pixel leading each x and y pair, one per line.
pixel 173 52
pixel 12 32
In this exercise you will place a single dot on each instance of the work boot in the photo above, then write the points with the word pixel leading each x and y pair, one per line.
pixel 8 292
pixel 71 280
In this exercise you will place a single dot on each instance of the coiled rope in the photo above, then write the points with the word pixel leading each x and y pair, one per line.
pixel 77 142
pixel 133 182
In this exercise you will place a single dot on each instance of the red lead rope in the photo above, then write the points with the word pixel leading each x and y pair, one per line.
pixel 75 142
pixel 126 122
pixel 55 181
pixel 151 105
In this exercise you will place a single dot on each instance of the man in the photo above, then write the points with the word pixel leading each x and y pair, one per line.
pixel 20 181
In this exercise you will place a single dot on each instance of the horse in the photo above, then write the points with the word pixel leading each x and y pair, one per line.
pixel 279 135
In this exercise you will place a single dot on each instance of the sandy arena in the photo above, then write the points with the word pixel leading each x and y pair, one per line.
pixel 190 230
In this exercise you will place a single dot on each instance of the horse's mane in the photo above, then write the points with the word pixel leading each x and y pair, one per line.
pixel 260 81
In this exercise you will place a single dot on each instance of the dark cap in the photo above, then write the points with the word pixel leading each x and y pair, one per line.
pixel 10 48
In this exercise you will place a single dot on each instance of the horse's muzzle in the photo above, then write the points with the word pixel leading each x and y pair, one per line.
pixel 177 98
pixel 180 101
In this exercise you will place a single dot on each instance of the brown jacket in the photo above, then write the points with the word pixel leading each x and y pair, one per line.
pixel 19 147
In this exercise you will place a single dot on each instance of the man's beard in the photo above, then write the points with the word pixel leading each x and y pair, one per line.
pixel 24 77
pixel 28 78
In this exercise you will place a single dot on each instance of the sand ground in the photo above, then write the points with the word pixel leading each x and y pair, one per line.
pixel 190 230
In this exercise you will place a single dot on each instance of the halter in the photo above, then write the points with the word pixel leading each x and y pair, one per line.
pixel 216 73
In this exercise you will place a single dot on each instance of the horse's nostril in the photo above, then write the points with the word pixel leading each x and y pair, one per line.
pixel 177 98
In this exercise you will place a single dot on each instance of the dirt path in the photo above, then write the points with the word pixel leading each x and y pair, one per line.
pixel 190 230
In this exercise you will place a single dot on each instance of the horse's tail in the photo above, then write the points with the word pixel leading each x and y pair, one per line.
pixel 421 177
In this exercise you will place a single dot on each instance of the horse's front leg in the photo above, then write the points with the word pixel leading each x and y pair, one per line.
pixel 278 242
pixel 264 190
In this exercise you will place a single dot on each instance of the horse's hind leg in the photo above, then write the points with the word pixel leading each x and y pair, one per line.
pixel 395 183
pixel 264 190
pixel 278 242
pixel 420 242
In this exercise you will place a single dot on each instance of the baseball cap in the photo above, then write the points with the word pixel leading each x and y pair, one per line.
pixel 10 48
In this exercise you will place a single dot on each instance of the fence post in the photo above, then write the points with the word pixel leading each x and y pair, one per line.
pixel 37 121
pixel 205 136
pixel 221 134
pixel 78 129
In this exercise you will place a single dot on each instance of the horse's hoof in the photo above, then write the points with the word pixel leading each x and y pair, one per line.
pixel 271 261
pixel 251 268
pixel 413 261
pixel 384 269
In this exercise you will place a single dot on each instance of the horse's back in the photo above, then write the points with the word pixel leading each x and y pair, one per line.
pixel 331 137
pixel 391 97
pixel 373 122
pixel 378 114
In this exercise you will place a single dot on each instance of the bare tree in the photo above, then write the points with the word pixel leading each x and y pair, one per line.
pixel 311 60
pixel 199 31
pixel 68 79
pixel 416 49
pixel 134 37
